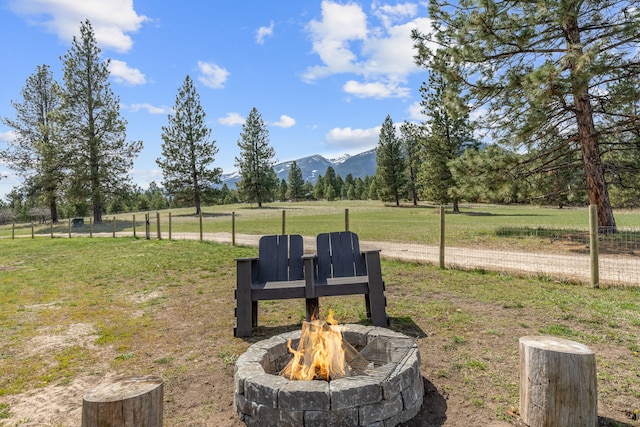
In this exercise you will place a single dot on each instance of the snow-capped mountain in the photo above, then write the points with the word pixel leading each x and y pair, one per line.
pixel 359 166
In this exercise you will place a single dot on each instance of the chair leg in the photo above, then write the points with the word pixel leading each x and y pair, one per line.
pixel 367 304
pixel 313 308
pixel 254 313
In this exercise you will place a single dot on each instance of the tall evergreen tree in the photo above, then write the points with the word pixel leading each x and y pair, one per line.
pixel 94 130
pixel 296 183
pixel 187 151
pixel 541 67
pixel 390 165
pixel 38 152
pixel 411 144
pixel 449 134
pixel 258 181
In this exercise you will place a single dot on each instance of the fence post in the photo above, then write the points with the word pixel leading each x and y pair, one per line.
pixel 169 225
pixel 69 227
pixel 113 227
pixel 233 228
pixel 346 219
pixel 33 231
pixel 593 246
pixel 134 227
pixel 284 220
pixel 90 226
pixel 442 230
pixel 146 226
pixel 200 218
pixel 52 229
pixel 158 225
pixel 13 230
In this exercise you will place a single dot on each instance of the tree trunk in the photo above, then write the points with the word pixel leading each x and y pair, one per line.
pixel 53 210
pixel 130 401
pixel 456 205
pixel 587 134
pixel 558 386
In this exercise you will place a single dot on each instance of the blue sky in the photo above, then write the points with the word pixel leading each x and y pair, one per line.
pixel 323 74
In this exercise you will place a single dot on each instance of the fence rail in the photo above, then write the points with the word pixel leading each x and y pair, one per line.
pixel 578 254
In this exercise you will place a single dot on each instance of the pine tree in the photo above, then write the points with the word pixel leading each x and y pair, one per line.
pixel 296 183
pixel 38 151
pixel 258 181
pixel 390 165
pixel 540 68
pixel 449 135
pixel 187 150
pixel 411 144
pixel 94 131
pixel 283 190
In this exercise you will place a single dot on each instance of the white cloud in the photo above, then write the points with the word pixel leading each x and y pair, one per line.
pixel 7 136
pixel 415 111
pixel 111 20
pixel 151 109
pixel 264 32
pixel 375 90
pixel 213 76
pixel 122 73
pixel 378 48
pixel 348 138
pixel 285 122
pixel 232 119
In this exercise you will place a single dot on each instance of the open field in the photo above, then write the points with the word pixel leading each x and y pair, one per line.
pixel 371 220
pixel 75 311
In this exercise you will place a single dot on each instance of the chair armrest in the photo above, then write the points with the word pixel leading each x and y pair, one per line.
pixel 247 259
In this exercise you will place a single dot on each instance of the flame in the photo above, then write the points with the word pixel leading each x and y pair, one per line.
pixel 320 353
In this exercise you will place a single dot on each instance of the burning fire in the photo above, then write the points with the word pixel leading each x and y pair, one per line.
pixel 321 354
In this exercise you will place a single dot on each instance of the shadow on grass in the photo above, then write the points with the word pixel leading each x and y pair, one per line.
pixel 406 325
pixel 204 215
pixel 462 212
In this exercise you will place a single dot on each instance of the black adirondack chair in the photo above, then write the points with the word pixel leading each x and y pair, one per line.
pixel 340 268
pixel 277 273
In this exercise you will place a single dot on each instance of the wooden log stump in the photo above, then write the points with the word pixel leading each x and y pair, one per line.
pixel 128 401
pixel 557 383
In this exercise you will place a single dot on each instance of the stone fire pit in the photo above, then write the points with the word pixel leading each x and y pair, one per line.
pixel 385 391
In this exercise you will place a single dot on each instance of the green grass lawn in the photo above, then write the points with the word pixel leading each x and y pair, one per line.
pixel 123 306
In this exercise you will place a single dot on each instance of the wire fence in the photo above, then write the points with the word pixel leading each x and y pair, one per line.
pixel 575 254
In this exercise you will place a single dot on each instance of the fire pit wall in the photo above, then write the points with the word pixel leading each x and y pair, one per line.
pixel 383 396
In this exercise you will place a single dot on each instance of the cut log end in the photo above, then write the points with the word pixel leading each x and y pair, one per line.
pixel 557 383
pixel 135 401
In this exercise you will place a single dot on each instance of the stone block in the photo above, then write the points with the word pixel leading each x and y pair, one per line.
pixel 271 417
pixel 263 389
pixel 305 396
pixel 244 371
pixel 339 418
pixel 380 411
pixel 350 392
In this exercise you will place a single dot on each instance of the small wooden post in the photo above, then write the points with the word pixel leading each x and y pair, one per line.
pixel 284 219
pixel 130 401
pixel 200 218
pixel 158 225
pixel 442 231
pixel 169 225
pixel 233 228
pixel 593 246
pixel 557 383
pixel 33 231
pixel 113 227
pixel 90 226
pixel 13 230
pixel 134 227
pixel 69 227
pixel 52 229
pixel 146 226
pixel 346 219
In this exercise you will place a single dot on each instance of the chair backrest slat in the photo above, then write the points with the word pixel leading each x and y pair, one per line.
pixel 280 258
pixel 339 255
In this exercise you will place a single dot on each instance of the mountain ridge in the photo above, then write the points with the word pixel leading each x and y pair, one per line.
pixel 358 165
